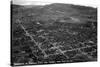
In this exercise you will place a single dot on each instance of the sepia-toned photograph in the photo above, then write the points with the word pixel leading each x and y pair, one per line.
pixel 44 32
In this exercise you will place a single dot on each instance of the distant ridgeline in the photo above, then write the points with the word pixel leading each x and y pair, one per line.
pixel 56 12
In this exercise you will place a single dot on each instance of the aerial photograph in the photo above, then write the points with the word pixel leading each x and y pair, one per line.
pixel 52 33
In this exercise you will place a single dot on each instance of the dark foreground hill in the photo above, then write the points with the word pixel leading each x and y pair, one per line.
pixel 53 33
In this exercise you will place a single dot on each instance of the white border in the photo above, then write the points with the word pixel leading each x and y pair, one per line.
pixel 5 39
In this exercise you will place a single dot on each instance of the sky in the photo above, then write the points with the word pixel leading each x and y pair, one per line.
pixel 92 3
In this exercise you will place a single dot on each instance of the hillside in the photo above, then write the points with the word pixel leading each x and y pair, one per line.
pixel 54 33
